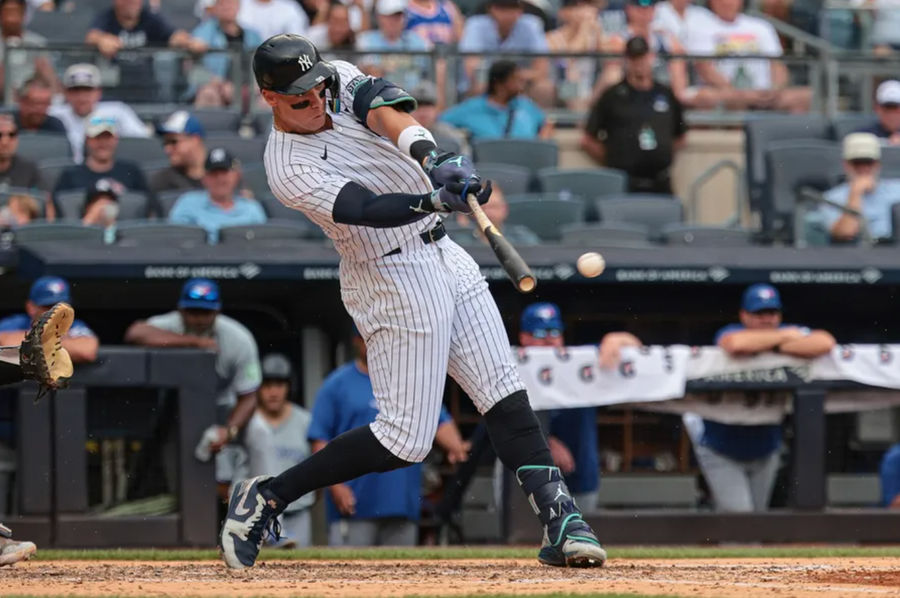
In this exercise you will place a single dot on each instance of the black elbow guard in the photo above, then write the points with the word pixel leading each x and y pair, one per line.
pixel 375 93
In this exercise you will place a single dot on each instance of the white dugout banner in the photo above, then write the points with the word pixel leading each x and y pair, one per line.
pixel 655 378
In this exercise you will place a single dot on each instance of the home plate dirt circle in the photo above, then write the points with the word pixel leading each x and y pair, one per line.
pixel 802 578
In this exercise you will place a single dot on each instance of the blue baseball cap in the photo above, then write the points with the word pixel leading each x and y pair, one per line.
pixel 759 297
pixel 200 293
pixel 49 290
pixel 181 122
pixel 539 317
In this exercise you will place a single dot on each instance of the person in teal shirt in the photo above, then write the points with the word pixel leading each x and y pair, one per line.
pixel 503 112
pixel 219 204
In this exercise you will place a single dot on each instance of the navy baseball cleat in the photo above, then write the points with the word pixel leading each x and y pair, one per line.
pixel 12 551
pixel 252 516
pixel 568 540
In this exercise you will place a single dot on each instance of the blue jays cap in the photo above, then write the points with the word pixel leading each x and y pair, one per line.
pixel 200 293
pixel 541 317
pixel 48 290
pixel 181 122
pixel 758 297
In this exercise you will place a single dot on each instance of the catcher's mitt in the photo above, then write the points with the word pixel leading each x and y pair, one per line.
pixel 41 354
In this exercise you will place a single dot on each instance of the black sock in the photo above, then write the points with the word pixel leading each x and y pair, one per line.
pixel 516 433
pixel 350 455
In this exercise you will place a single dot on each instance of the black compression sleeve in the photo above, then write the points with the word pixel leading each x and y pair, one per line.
pixel 357 205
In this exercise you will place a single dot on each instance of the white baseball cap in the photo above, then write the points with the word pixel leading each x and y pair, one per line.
pixel 391 7
pixel 861 146
pixel 98 125
pixel 888 93
pixel 81 75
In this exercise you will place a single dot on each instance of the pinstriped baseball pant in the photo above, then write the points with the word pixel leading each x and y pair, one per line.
pixel 426 312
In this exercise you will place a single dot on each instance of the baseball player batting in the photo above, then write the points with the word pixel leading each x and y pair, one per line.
pixel 345 151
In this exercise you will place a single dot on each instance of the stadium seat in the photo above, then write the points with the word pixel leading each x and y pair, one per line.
pixel 589 183
pixel 890 161
pixel 895 222
pixel 546 215
pixel 132 205
pixel 262 123
pixel 140 150
pixel 706 236
pixel 273 229
pixel 533 154
pixel 253 177
pixel 138 231
pixel 759 132
pixel 58 231
pixel 278 211
pixel 50 169
pixel 166 199
pixel 647 209
pixel 248 151
pixel 40 146
pixel 510 178
pixel 791 165
pixel 606 234
pixel 218 120
pixel 62 27
pixel 844 124
pixel 69 204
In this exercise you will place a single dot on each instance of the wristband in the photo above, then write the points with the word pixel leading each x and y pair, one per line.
pixel 419 136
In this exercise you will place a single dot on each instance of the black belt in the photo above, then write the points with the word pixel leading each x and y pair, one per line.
pixel 435 234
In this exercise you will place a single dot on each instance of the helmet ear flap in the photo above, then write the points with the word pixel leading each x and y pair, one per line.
pixel 333 84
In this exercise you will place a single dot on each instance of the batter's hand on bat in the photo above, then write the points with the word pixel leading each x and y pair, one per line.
pixel 446 169
pixel 447 200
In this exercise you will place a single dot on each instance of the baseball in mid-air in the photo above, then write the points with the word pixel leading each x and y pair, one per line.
pixel 590 264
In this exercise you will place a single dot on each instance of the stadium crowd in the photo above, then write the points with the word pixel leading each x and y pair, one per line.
pixel 79 145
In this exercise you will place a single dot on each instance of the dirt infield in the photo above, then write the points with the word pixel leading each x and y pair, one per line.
pixel 801 578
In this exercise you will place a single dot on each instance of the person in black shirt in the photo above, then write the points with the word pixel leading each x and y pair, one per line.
pixel 637 125
pixel 182 136
pixel 101 140
pixel 34 100
pixel 15 171
pixel 887 108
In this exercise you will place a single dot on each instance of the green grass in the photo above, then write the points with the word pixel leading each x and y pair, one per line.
pixel 479 552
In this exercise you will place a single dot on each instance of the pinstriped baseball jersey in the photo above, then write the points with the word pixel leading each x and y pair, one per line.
pixel 306 173
pixel 424 311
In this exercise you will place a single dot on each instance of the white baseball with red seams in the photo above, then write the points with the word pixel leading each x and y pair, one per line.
pixel 424 311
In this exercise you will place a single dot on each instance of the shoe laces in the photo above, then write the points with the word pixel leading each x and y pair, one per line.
pixel 273 529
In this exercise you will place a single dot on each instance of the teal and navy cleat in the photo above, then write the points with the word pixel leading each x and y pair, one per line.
pixel 252 516
pixel 12 551
pixel 568 540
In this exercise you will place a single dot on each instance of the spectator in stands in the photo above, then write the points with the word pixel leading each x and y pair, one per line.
pixel 101 204
pixel 199 324
pixel 335 33
pixel 218 204
pixel 446 135
pixel 637 125
pixel 20 209
pixel 82 92
pixel 737 83
pixel 406 71
pixel 276 439
pixel 890 478
pixel 579 30
pixel 864 192
pixel 436 21
pixel 676 18
pixel 885 27
pixel 15 171
pixel 498 212
pixel 34 100
pixel 101 140
pixel 129 24
pixel 21 65
pixel 182 137
pixel 740 462
pixel 505 28
pixel 221 31
pixel 504 111
pixel 47 291
pixel 639 15
pixel 887 108
pixel 271 17
pixel 378 509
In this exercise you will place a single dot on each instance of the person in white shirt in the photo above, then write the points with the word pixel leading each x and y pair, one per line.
pixel 677 17
pixel 271 17
pixel 741 84
pixel 82 92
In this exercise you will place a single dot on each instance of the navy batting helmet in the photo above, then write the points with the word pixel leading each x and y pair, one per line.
pixel 290 64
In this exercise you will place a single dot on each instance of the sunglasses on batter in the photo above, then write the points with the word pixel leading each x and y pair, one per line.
pixel 547 333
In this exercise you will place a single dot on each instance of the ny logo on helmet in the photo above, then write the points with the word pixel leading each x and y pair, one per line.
pixel 305 61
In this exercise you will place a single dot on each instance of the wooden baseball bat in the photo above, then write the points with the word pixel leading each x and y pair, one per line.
pixel 516 268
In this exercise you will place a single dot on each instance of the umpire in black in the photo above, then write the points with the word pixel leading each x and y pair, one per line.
pixel 637 125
